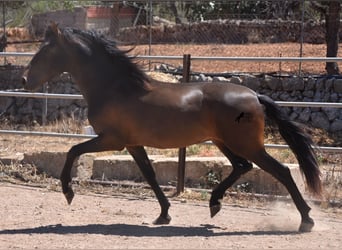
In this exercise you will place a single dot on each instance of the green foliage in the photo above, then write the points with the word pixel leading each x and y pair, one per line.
pixel 43 6
pixel 193 149
pixel 212 179
pixel 204 195
pixel 245 187
pixel 197 10
pixel 18 13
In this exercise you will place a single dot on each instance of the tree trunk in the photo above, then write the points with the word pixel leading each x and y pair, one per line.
pixel 332 22
pixel 174 11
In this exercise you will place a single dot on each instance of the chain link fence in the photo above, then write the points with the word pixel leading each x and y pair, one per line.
pixel 199 28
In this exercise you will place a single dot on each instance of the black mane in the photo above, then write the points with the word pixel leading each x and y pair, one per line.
pixel 98 43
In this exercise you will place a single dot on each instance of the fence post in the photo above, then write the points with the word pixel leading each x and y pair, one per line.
pixel 45 104
pixel 4 29
pixel 182 151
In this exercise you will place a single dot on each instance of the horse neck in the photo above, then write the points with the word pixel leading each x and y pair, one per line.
pixel 88 79
pixel 99 77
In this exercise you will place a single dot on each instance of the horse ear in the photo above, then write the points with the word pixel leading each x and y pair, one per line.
pixel 52 32
pixel 54 27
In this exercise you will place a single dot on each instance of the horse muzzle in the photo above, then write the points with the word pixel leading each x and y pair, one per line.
pixel 24 78
pixel 25 84
pixel 28 83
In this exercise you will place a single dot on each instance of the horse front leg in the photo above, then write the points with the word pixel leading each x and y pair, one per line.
pixel 98 144
pixel 141 158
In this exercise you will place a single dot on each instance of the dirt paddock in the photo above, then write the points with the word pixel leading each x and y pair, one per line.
pixel 39 218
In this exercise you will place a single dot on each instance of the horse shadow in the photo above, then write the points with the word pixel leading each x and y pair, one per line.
pixel 204 230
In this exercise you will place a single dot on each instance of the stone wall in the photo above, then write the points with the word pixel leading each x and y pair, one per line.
pixel 30 110
pixel 25 110
pixel 297 89
pixel 227 31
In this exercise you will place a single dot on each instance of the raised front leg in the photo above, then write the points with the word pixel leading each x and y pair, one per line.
pixel 141 158
pixel 98 144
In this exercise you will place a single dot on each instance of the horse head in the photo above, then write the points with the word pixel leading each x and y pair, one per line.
pixel 48 62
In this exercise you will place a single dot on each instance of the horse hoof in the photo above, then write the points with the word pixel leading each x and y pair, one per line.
pixel 162 221
pixel 69 195
pixel 306 226
pixel 215 209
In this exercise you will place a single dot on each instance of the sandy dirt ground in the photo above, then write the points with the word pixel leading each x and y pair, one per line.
pixel 35 218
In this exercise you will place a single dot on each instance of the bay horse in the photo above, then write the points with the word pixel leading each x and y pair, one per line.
pixel 129 110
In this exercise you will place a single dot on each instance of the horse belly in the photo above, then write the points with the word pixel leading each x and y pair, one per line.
pixel 171 132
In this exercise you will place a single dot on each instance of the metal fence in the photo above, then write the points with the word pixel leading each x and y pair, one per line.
pixel 79 97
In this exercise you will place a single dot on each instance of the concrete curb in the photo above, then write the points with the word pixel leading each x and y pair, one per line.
pixel 199 171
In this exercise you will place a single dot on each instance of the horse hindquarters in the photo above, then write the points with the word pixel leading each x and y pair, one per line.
pixel 245 138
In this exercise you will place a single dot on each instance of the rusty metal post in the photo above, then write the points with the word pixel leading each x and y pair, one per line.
pixel 182 151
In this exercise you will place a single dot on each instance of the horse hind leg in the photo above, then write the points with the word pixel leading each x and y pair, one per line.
pixel 283 175
pixel 240 167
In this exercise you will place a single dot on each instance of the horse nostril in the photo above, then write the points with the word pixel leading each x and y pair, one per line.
pixel 24 80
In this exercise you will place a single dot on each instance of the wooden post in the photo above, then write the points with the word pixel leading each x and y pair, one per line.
pixel 182 151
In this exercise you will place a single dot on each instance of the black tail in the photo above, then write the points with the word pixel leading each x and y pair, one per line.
pixel 299 142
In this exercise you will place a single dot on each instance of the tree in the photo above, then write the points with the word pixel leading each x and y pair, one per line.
pixel 173 8
pixel 332 25
pixel 331 12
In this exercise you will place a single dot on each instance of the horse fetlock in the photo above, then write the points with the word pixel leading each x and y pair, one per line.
pixel 215 199
pixel 161 220
pixel 66 185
